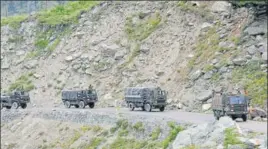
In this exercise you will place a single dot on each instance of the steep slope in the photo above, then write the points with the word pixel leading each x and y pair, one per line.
pixel 186 48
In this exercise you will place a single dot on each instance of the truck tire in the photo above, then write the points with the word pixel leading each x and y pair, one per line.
pixel 244 117
pixel 216 114
pixel 233 118
pixel 148 107
pixel 23 105
pixel 67 104
pixel 131 106
pixel 82 104
pixel 15 105
pixel 91 105
pixel 76 106
pixel 162 108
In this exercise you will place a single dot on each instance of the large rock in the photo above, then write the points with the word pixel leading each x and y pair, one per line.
pixel 221 6
pixel 264 56
pixel 255 31
pixel 119 55
pixel 204 95
pixel 69 58
pixel 239 61
pixel 251 50
pixel 204 134
pixel 205 26
pixel 208 75
pixel 194 76
pixel 257 112
pixel 31 64
pixel 206 107
pixel 5 64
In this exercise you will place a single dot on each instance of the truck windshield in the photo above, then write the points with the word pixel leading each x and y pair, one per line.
pixel 237 100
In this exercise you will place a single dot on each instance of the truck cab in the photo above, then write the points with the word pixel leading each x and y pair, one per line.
pixel 236 106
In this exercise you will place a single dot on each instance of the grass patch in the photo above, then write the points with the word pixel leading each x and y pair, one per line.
pixel 142 30
pixel 76 136
pixel 85 128
pixel 135 52
pixel 13 21
pixel 11 145
pixel 123 132
pixel 254 80
pixel 96 128
pixel 94 143
pixel 155 133
pixel 16 39
pixel 65 14
pixel 230 137
pixel 201 10
pixel 22 83
pixel 122 143
pixel 208 67
pixel 174 130
pixel 138 126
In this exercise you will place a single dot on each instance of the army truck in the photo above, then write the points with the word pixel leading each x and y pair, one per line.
pixel 146 98
pixel 234 106
pixel 15 100
pixel 79 98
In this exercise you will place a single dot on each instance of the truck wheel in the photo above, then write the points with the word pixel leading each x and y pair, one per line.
pixel 67 104
pixel 162 108
pixel 233 117
pixel 23 106
pixel 131 106
pixel 244 117
pixel 142 108
pixel 15 105
pixel 148 107
pixel 81 104
pixel 91 105
pixel 76 106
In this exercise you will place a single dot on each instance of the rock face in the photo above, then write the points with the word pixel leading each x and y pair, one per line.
pixel 206 135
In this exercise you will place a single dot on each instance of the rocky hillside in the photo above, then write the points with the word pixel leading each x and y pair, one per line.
pixel 186 48
pixel 43 129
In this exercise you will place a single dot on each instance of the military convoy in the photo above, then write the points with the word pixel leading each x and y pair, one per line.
pixel 147 98
pixel 234 105
pixel 15 100
pixel 228 104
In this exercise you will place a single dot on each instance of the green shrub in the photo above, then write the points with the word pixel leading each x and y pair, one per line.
pixel 174 130
pixel 254 81
pixel 122 143
pixel 138 126
pixel 13 21
pixel 65 14
pixel 230 137
pixel 85 128
pixel 155 133
pixel 141 31
pixel 23 82
pixel 94 143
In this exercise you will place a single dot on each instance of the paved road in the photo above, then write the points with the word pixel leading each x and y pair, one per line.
pixel 181 116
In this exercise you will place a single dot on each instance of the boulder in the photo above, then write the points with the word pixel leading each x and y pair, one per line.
pixel 239 61
pixel 206 107
pixel 208 75
pixel 119 55
pixel 253 31
pixel 251 50
pixel 69 58
pixel 204 95
pixel 221 6
pixel 257 112
pixel 264 56
pixel 205 26
pixel 194 76
pixel 223 70
pixel 31 64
